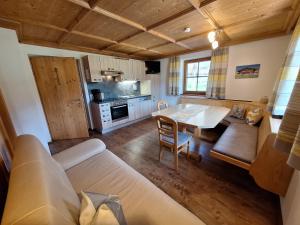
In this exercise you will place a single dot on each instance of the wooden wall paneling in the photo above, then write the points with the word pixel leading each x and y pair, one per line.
pixel 4 168
pixel 7 126
pixel 61 95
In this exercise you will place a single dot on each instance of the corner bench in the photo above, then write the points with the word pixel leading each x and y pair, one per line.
pixel 251 147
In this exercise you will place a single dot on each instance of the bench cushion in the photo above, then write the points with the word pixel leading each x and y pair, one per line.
pixel 238 141
pixel 229 120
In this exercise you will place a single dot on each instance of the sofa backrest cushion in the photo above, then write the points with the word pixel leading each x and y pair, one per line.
pixel 39 190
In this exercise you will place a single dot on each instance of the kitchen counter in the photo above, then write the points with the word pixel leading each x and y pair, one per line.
pixel 123 98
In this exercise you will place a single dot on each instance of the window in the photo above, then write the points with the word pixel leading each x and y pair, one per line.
pixel 196 75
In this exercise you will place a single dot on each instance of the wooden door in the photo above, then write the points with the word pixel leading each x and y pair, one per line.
pixel 61 95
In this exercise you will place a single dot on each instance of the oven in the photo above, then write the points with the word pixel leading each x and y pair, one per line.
pixel 119 111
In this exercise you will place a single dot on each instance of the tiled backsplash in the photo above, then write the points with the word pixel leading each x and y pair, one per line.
pixel 113 89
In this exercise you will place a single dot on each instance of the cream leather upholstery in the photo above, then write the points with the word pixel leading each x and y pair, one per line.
pixel 41 193
pixel 79 153
pixel 39 190
pixel 143 203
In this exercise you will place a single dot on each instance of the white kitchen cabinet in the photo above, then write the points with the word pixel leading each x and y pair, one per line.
pixel 132 69
pixel 92 68
pixel 124 67
pixel 109 63
pixel 139 108
pixel 101 116
pixel 137 69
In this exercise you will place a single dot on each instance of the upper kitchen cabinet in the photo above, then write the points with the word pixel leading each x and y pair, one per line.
pixel 124 67
pixel 132 69
pixel 109 63
pixel 137 69
pixel 92 68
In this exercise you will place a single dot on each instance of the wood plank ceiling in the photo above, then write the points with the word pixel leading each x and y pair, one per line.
pixel 145 29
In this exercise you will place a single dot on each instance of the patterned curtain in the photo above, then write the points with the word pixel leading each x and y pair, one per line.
pixel 288 75
pixel 174 67
pixel 217 74
pixel 288 137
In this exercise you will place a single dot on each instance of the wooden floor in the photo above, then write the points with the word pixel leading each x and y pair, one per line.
pixel 216 192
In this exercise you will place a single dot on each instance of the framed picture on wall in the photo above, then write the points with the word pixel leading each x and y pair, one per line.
pixel 247 71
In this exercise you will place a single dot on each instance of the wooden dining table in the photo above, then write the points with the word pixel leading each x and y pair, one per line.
pixel 195 116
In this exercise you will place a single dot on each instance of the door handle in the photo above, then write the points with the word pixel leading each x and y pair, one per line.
pixel 57 75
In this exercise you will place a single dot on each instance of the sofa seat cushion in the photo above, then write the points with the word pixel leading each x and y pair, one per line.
pixel 142 202
pixel 238 141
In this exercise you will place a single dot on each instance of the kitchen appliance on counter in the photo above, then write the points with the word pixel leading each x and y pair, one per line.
pixel 98 96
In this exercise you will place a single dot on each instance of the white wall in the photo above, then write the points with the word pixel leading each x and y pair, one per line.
pixel 269 53
pixel 290 204
pixel 19 87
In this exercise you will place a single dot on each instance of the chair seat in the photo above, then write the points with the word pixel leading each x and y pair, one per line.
pixel 183 138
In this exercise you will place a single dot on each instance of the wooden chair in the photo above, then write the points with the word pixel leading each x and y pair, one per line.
pixel 161 104
pixel 170 137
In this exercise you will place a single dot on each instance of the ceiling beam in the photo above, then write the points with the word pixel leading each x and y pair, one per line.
pixel 77 48
pixel 162 22
pixel 124 20
pixel 82 14
pixel 206 2
pixel 200 7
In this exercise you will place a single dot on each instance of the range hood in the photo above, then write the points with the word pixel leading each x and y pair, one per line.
pixel 111 73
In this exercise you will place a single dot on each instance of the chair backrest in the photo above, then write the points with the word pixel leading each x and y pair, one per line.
pixel 167 130
pixel 161 104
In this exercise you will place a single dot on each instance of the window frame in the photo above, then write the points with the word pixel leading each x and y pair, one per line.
pixel 186 62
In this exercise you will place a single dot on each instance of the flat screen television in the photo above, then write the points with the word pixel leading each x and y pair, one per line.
pixel 152 67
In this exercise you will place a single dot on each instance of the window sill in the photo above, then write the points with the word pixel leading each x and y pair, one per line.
pixel 193 96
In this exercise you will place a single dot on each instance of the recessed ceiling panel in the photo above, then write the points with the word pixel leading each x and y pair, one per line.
pixel 56 12
pixel 103 26
pixel 193 20
pixel 145 12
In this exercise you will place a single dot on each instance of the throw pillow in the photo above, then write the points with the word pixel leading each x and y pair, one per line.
pixel 99 209
pixel 254 116
pixel 238 111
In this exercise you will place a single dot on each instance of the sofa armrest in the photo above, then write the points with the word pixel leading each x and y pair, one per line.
pixel 79 153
